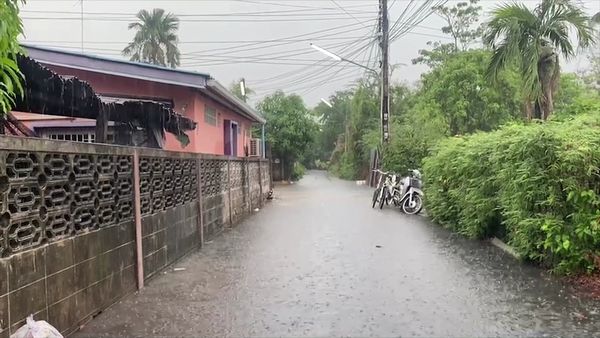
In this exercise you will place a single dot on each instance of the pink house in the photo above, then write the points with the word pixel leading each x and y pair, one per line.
pixel 224 122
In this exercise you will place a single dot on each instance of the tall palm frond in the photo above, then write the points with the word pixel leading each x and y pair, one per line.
pixel 532 39
pixel 155 40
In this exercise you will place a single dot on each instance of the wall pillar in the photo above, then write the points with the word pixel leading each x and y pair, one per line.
pixel 200 203
pixel 137 211
pixel 229 190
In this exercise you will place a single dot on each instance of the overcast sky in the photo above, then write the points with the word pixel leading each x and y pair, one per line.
pixel 264 41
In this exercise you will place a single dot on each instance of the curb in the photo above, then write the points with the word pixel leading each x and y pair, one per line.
pixel 504 247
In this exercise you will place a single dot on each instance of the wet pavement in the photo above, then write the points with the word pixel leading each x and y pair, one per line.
pixel 319 262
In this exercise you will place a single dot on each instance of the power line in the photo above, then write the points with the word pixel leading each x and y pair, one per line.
pixel 297 12
pixel 295 6
pixel 199 41
pixel 420 14
pixel 345 11
pixel 316 77
pixel 310 68
pixel 109 19
pixel 278 42
pixel 303 50
pixel 328 79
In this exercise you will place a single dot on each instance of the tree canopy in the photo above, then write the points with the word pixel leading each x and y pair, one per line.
pixel 290 128
pixel 534 39
pixel 155 40
pixel 462 26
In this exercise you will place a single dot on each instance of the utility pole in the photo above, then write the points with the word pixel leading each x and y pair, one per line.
pixel 385 72
pixel 81 7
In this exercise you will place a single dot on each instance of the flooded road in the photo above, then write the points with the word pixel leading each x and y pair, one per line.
pixel 318 261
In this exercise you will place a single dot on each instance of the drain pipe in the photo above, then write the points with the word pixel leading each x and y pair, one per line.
pixel 264 155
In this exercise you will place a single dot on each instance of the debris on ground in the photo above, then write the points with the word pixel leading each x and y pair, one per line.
pixel 36 329
pixel 588 284
pixel 178 269
pixel 256 210
pixel 579 316
pixel 378 246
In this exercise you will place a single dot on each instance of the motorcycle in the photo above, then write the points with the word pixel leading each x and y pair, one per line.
pixel 405 193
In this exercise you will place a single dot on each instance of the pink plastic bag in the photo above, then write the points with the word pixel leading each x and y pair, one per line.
pixel 36 329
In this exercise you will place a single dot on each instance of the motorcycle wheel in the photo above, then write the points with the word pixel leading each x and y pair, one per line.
pixel 383 198
pixel 413 207
pixel 376 196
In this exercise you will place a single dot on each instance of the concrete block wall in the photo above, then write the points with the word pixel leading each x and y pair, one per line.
pixel 67 221
pixel 168 236
pixel 254 183
pixel 214 178
pixel 68 281
pixel 240 204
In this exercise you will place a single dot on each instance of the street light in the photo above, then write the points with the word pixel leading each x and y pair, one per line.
pixel 327 103
pixel 339 58
pixel 326 52
pixel 243 88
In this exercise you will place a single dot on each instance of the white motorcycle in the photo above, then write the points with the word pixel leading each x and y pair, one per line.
pixel 406 193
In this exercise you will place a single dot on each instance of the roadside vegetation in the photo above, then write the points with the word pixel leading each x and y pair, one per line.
pixel 10 76
pixel 507 141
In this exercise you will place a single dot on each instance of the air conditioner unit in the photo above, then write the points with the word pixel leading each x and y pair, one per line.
pixel 255 148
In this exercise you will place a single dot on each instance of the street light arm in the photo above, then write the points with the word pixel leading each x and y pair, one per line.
pixel 339 58
pixel 361 66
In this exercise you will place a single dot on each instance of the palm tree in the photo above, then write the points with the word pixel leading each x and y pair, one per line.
pixel 533 40
pixel 596 18
pixel 156 38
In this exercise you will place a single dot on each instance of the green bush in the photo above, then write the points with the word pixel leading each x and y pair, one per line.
pixel 410 143
pixel 298 171
pixel 535 185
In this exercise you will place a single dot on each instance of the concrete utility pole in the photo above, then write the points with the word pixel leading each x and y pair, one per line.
pixel 385 72
pixel 81 7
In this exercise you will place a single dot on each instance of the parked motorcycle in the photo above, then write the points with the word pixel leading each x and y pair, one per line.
pixel 412 195
pixel 405 193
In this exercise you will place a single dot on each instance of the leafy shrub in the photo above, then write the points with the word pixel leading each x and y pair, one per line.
pixel 298 171
pixel 346 167
pixel 536 185
pixel 410 143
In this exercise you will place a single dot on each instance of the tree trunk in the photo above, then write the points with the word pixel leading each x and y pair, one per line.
pixel 548 74
pixel 548 104
pixel 288 169
pixel 538 110
pixel 528 106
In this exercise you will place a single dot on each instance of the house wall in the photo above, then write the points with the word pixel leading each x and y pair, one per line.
pixel 206 138
pixel 214 142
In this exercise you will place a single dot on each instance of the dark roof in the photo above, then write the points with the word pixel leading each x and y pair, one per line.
pixel 144 71
pixel 138 70
pixel 48 93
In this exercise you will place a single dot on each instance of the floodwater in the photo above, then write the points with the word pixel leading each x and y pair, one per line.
pixel 319 262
